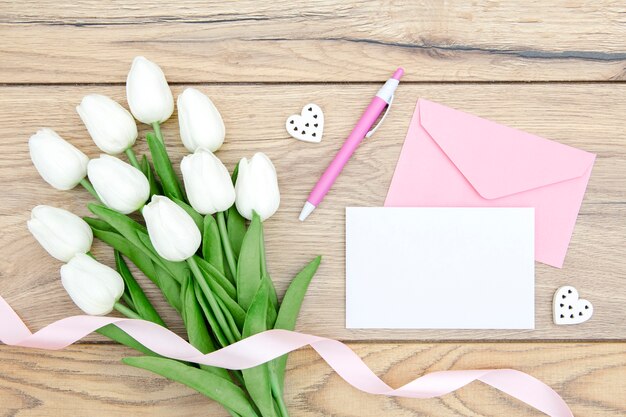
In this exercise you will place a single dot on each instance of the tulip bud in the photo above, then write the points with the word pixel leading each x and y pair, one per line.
pixel 119 185
pixel 149 97
pixel 257 187
pixel 94 287
pixel 207 182
pixel 61 233
pixel 172 231
pixel 201 125
pixel 58 162
pixel 110 125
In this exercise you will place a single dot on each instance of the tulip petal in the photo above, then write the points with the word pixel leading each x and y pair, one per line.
pixel 149 96
pixel 58 162
pixel 110 125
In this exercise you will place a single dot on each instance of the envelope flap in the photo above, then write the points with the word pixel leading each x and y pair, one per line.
pixel 499 160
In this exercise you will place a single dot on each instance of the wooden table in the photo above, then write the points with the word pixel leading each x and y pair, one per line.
pixel 555 70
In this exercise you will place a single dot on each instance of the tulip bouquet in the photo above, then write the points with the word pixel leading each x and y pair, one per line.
pixel 194 243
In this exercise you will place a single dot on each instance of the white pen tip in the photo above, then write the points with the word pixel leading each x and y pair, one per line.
pixel 306 210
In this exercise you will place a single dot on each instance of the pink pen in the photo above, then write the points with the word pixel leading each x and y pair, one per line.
pixel 383 99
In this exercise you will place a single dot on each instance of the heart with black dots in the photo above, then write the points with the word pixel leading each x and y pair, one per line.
pixel 308 126
pixel 568 308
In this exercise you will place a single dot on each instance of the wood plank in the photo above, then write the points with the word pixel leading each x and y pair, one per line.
pixel 213 41
pixel 89 380
pixel 587 116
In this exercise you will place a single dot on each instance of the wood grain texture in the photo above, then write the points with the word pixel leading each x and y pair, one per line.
pixel 280 44
pixel 583 115
pixel 89 380
pixel 281 41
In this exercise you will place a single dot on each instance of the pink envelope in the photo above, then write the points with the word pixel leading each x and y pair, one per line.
pixel 454 159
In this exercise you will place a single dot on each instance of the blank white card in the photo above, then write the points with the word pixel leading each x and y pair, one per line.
pixel 440 268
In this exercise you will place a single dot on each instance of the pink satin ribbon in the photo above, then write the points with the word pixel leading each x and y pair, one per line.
pixel 271 344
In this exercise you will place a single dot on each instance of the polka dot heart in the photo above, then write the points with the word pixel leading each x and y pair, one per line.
pixel 568 308
pixel 308 126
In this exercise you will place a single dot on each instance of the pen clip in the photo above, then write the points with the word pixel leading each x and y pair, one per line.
pixel 382 119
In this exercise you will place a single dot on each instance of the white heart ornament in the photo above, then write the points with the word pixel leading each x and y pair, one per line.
pixel 568 308
pixel 308 126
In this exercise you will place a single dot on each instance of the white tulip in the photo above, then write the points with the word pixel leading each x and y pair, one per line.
pixel 94 287
pixel 59 163
pixel 201 125
pixel 119 185
pixel 172 231
pixel 149 97
pixel 257 187
pixel 110 125
pixel 207 182
pixel 61 233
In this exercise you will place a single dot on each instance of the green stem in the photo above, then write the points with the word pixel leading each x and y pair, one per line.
pixel 132 158
pixel 87 185
pixel 239 377
pixel 157 131
pixel 262 252
pixel 128 300
pixel 126 311
pixel 213 270
pixel 219 315
pixel 278 396
pixel 228 250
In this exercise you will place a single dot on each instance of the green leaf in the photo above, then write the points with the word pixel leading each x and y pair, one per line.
pixel 221 290
pixel 272 306
pixel 99 224
pixel 235 223
pixel 290 308
pixel 120 222
pixel 127 299
pixel 231 259
pixel 197 217
pixel 211 244
pixel 249 264
pixel 218 389
pixel 227 273
pixel 232 325
pixel 164 169
pixel 257 379
pixel 272 292
pixel 214 275
pixel 146 168
pixel 292 301
pixel 272 309
pixel 195 325
pixel 237 313
pixel 168 286
pixel 208 313
pixel 228 299
pixel 264 273
pixel 136 255
pixel 193 319
pixel 115 333
pixel 236 226
pixel 143 307
pixel 125 226
pixel 235 173
pixel 220 315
